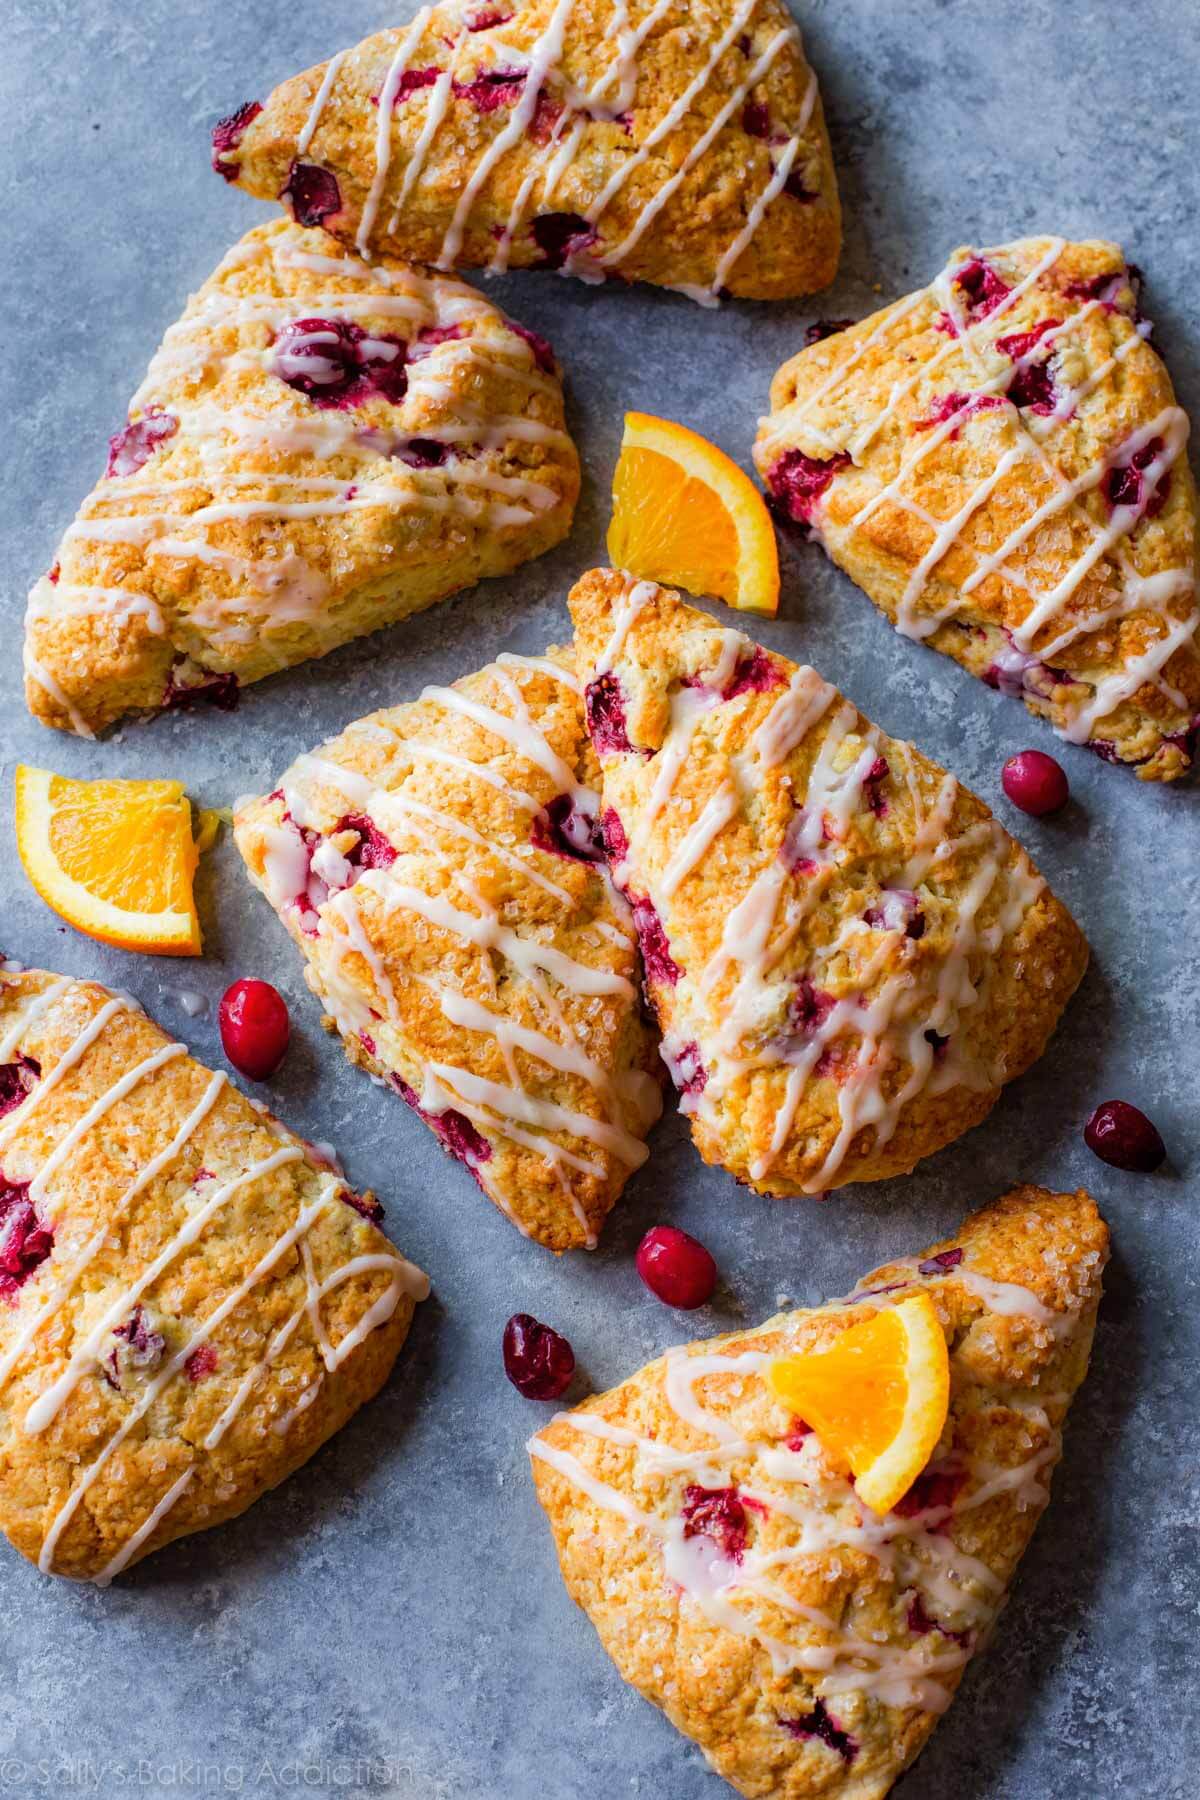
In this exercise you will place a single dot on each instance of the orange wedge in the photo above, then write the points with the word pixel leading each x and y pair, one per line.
pixel 115 859
pixel 684 514
pixel 877 1397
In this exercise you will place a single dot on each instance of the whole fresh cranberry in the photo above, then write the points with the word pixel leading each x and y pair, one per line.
pixel 1035 782
pixel 537 1360
pixel 676 1268
pixel 254 1027
pixel 1124 1138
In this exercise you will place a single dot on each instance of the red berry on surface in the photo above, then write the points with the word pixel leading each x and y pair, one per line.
pixel 1124 1138
pixel 676 1268
pixel 537 1360
pixel 1035 782
pixel 254 1028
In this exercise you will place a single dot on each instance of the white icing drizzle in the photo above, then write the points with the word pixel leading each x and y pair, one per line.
pixel 149 1524
pixel 383 127
pixel 322 94
pixel 19 1117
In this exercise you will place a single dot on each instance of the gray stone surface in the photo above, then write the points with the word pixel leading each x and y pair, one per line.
pixel 398 1600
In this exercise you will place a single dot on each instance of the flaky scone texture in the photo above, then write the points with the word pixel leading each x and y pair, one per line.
pixel 847 955
pixel 319 449
pixel 805 1643
pixel 192 1300
pixel 1000 463
pixel 438 865
pixel 680 142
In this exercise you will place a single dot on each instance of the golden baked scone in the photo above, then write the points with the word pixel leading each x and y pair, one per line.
pixel 847 955
pixel 439 866
pixel 319 449
pixel 194 1299
pixel 1000 462
pixel 805 1643
pixel 680 142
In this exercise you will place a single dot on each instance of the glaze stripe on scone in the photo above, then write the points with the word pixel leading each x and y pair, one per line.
pixel 847 955
pixel 805 1643
pixel 319 449
pixel 1000 463
pixel 679 142
pixel 194 1300
pixel 439 866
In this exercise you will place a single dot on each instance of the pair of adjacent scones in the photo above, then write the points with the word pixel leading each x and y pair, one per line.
pixel 736 1578
pixel 193 1299
pixel 680 142
pixel 320 448
pixel 1000 462
pixel 846 954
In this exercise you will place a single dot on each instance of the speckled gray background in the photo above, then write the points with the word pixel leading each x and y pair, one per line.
pixel 392 1620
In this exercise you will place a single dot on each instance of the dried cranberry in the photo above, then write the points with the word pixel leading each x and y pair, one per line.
pixel 686 1068
pixel 564 828
pixel 1123 1137
pixel 559 236
pixel 334 362
pixel 797 482
pixel 934 1490
pixel 492 89
pixel 202 1362
pixel 719 1515
pixel 820 329
pixel 227 135
pixel 372 851
pixel 366 1205
pixel 131 448
pixel 676 1268
pixel 604 704
pixel 543 350
pixel 25 1242
pixel 1035 782
pixel 1123 485
pixel 819 1723
pixel 255 1027
pixel 755 674
pixel 311 193
pixel 537 1360
pixel 412 81
pixel 942 1262
pixel 212 689
pixel 960 408
pixel 16 1080
pixel 660 965
pixel 616 844
pixel 756 119
pixel 983 286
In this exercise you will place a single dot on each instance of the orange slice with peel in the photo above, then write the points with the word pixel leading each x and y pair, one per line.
pixel 684 514
pixel 877 1397
pixel 114 858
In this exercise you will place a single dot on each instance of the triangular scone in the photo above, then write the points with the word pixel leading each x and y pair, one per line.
pixel 319 449
pixel 1000 463
pixel 680 142
pixel 848 956
pixel 439 866
pixel 193 1299
pixel 806 1644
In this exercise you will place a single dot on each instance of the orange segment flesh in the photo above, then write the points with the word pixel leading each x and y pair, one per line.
pixel 684 514
pixel 115 859
pixel 877 1397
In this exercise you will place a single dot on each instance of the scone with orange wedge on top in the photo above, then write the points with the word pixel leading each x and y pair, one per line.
pixel 847 954
pixel 801 1592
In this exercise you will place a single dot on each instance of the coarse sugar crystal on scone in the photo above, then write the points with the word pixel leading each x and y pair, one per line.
pixel 680 142
pixel 848 956
pixel 440 868
pixel 805 1643
pixel 194 1300
pixel 999 461
pixel 320 448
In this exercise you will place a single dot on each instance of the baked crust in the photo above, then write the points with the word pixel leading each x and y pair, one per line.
pixel 1000 463
pixel 678 143
pixel 438 867
pixel 847 955
pixel 319 449
pixel 194 1300
pixel 814 1658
